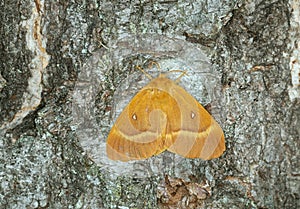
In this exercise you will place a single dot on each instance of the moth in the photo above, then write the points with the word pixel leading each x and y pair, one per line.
pixel 163 116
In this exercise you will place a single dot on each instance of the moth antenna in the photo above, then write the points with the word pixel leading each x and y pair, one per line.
pixel 183 73
pixel 157 66
pixel 143 71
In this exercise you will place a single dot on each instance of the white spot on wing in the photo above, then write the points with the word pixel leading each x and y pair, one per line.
pixel 193 115
pixel 134 117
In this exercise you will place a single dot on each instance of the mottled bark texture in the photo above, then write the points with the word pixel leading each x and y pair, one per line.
pixel 253 47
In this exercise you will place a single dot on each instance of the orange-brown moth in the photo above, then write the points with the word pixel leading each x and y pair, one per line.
pixel 163 116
